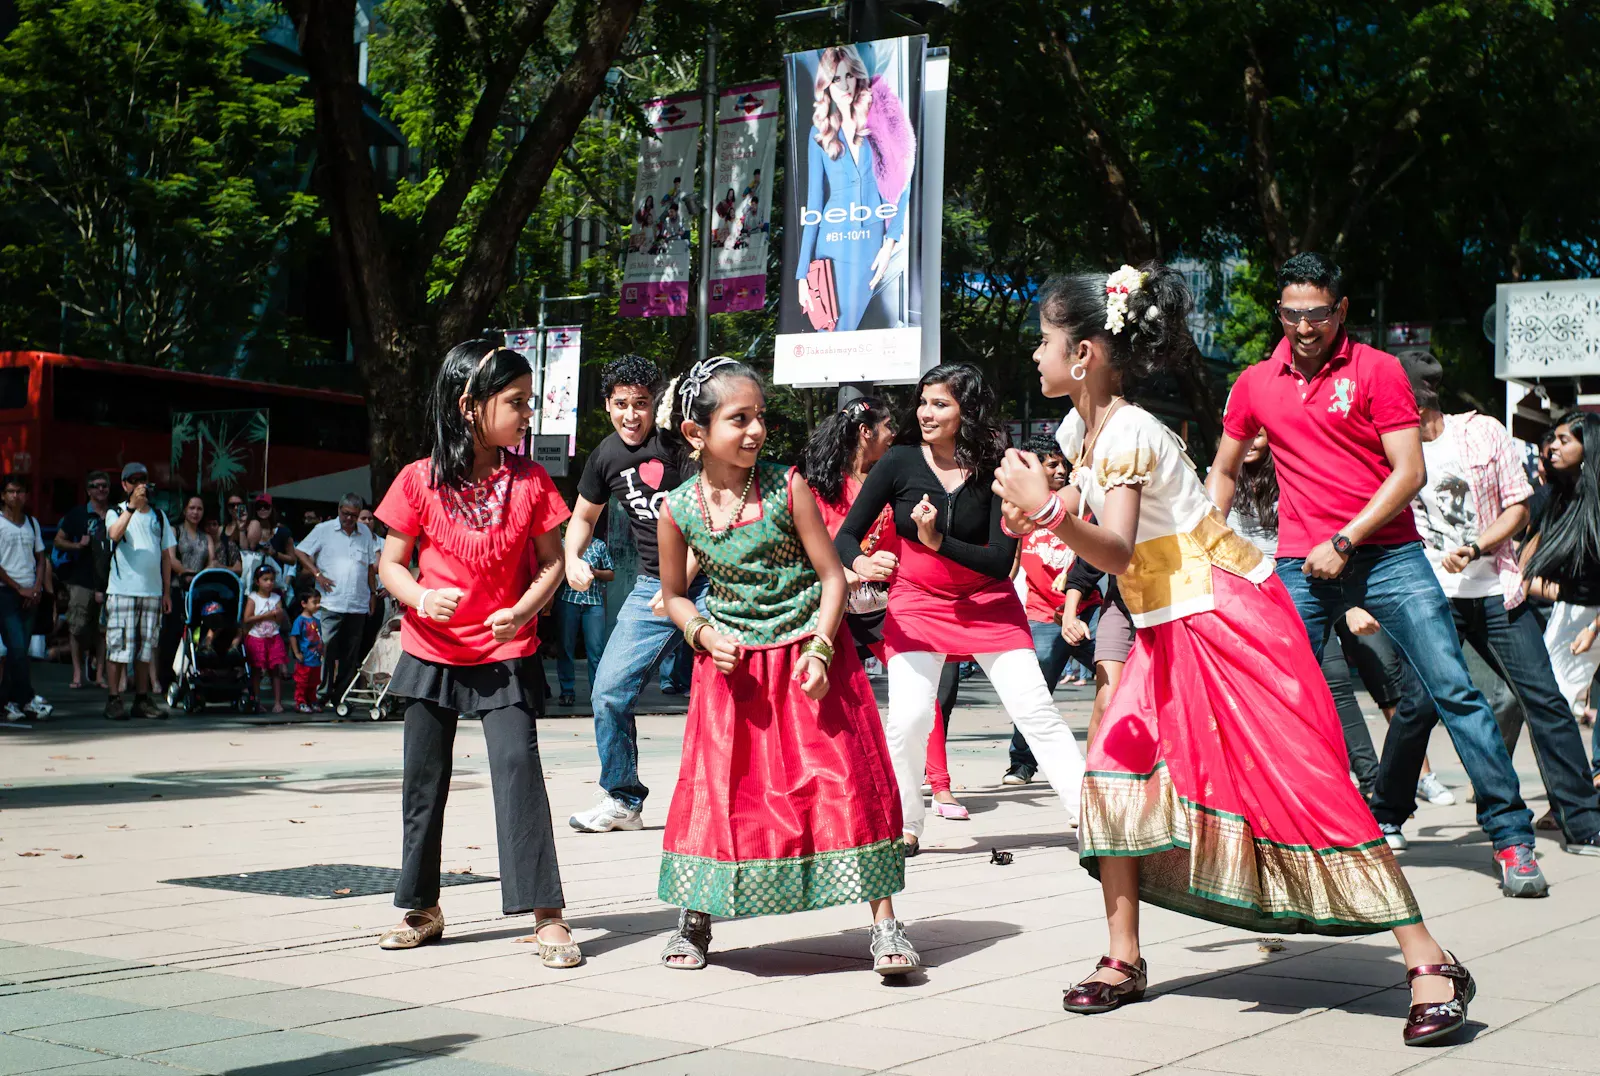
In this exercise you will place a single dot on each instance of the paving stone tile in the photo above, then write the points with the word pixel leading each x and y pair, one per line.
pixel 571 1051
pixel 141 1033
pixel 1263 1057
pixel 428 986
pixel 836 1043
pixel 284 1009
pixel 1460 1066
pixel 1575 1015
pixel 115 1066
pixel 20 960
pixel 699 1023
pixel 555 1004
pixel 280 1053
pixel 426 1029
pixel 20 1011
pixel 1152 1043
pixel 726 1062
pixel 817 997
pixel 1548 1049
pixel 999 1057
pixel 172 988
pixel 19 1054
pixel 430 1065
pixel 967 1019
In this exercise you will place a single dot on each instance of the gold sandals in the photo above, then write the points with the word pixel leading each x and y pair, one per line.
pixel 557 955
pixel 418 928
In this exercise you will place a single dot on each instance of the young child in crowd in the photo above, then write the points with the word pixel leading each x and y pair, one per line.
pixel 264 620
pixel 786 798
pixel 305 639
pixel 583 612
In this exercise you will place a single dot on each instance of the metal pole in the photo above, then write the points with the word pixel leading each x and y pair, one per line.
pixel 537 425
pixel 708 127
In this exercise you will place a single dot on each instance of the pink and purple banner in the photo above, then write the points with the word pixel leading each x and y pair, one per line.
pixel 747 138
pixel 655 280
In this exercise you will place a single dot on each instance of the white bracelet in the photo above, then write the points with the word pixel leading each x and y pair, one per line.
pixel 422 605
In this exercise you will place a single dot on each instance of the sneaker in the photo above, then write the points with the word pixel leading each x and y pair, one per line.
pixel 1392 836
pixel 147 706
pixel 1589 846
pixel 610 813
pixel 567 699
pixel 14 713
pixel 1520 875
pixel 305 708
pixel 39 709
pixel 114 710
pixel 1020 774
pixel 1430 788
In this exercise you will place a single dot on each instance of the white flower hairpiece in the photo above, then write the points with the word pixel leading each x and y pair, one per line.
pixel 696 378
pixel 1119 286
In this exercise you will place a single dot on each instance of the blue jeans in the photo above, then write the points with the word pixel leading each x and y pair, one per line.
pixel 1396 585
pixel 635 648
pixel 677 669
pixel 16 620
pixel 1053 653
pixel 1513 647
pixel 572 618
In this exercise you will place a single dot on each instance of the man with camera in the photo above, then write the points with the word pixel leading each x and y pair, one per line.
pixel 138 594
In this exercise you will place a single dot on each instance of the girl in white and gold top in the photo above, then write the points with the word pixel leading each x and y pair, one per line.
pixel 1217 784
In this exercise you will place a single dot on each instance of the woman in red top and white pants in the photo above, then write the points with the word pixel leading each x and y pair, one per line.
pixel 482 523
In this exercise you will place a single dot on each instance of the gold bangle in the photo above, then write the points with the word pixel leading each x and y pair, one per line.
pixel 818 649
pixel 691 632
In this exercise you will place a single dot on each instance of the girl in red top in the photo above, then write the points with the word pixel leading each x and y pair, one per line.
pixel 483 525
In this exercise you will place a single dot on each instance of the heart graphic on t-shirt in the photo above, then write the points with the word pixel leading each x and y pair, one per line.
pixel 650 472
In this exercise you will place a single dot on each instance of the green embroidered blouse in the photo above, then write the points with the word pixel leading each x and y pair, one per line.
pixel 762 589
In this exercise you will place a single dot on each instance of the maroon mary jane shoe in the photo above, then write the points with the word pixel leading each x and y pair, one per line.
pixel 1432 1021
pixel 1091 997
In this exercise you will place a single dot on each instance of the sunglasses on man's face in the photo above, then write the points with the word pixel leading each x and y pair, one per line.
pixel 1314 315
pixel 99 485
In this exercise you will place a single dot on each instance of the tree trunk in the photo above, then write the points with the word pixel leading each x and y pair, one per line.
pixel 400 370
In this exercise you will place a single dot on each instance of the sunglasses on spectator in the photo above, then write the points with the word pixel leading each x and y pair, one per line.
pixel 1315 315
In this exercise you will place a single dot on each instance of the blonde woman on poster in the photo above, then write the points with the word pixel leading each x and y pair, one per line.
pixel 861 156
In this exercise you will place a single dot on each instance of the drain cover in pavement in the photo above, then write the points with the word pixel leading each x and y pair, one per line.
pixel 320 881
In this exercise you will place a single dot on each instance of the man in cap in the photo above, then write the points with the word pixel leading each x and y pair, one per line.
pixel 138 593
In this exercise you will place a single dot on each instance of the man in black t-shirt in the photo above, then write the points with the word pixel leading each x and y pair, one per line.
pixel 632 466
pixel 86 589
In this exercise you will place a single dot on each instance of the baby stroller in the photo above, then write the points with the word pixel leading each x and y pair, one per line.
pixel 211 666
pixel 370 686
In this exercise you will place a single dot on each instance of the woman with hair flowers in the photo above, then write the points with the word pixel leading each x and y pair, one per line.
pixel 483 523
pixel 785 797
pixel 952 592
pixel 1217 785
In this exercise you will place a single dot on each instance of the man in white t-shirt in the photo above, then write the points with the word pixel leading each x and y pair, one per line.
pixel 138 594
pixel 342 557
pixel 1473 502
pixel 24 580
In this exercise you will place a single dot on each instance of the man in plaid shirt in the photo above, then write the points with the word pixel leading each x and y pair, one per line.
pixel 1473 502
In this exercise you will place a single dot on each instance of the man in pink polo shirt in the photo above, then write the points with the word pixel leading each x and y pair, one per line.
pixel 1343 426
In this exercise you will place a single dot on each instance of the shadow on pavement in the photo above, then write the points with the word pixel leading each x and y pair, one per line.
pixel 358 1059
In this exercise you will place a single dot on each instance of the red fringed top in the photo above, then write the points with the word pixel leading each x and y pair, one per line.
pixel 481 540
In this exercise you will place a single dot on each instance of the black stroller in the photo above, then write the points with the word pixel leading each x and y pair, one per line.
pixel 211 666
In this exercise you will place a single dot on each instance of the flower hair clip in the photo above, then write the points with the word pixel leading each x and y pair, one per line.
pixel 698 375
pixel 1119 286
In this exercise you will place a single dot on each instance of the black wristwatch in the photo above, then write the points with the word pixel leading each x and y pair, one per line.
pixel 1477 551
pixel 1342 545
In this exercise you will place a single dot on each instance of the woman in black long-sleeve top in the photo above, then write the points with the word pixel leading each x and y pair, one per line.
pixel 951 593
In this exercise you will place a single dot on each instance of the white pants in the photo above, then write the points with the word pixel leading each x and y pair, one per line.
pixel 913 684
pixel 1573 671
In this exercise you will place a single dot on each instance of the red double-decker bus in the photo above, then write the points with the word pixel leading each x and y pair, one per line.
pixel 63 416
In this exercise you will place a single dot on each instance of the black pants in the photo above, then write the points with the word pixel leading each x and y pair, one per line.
pixel 1357 740
pixel 341 652
pixel 1513 645
pixel 529 875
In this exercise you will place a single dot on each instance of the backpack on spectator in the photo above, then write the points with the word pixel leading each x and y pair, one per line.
pixel 102 549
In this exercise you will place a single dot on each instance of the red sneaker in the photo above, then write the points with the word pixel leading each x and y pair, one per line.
pixel 1520 875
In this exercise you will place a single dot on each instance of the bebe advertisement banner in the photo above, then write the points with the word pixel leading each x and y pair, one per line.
pixel 655 279
pixel 851 288
pixel 747 140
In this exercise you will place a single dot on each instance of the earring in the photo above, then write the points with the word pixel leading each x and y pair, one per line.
pixel 1078 371
pixel 695 455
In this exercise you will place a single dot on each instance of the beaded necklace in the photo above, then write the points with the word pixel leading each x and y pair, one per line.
pixel 705 506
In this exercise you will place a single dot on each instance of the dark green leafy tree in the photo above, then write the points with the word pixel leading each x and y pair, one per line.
pixel 147 181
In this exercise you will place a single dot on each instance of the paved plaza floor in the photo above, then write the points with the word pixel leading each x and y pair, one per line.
pixel 107 969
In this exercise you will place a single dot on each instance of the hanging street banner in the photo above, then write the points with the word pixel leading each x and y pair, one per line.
pixel 747 141
pixel 558 395
pixel 655 280
pixel 853 259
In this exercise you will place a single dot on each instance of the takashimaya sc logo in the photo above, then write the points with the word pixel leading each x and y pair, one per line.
pixel 1343 392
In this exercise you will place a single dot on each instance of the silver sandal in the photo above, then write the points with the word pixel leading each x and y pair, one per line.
pixel 692 939
pixel 888 941
pixel 559 955
pixel 419 927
